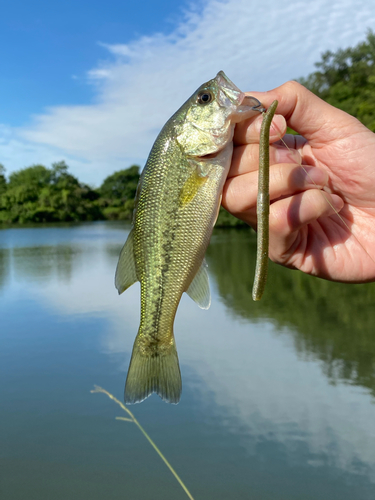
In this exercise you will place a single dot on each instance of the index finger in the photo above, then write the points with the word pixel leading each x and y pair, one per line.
pixel 248 131
pixel 304 112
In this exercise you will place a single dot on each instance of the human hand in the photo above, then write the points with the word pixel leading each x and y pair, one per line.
pixel 338 154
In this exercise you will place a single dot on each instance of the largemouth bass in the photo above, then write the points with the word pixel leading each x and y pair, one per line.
pixel 177 203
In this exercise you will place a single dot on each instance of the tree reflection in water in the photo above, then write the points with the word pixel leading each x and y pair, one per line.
pixel 332 322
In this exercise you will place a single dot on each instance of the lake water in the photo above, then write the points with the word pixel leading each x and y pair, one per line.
pixel 278 396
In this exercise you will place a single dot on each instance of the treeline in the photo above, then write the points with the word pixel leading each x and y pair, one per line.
pixel 41 194
pixel 345 79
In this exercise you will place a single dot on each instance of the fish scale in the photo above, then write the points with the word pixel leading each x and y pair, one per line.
pixel 176 207
pixel 169 230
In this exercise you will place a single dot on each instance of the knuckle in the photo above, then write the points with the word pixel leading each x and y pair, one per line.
pixel 279 177
pixel 277 220
pixel 292 86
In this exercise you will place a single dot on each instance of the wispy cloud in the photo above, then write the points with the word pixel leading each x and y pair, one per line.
pixel 258 44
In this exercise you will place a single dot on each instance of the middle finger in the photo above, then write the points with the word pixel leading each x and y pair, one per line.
pixel 246 158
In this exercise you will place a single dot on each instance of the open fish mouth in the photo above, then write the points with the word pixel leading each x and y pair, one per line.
pixel 229 89
pixel 235 95
pixel 250 106
pixel 210 155
pixel 253 103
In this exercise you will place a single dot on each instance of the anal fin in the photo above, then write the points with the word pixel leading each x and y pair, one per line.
pixel 199 289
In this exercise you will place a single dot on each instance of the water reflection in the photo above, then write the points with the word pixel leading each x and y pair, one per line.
pixel 332 322
pixel 258 414
pixel 4 266
pixel 45 262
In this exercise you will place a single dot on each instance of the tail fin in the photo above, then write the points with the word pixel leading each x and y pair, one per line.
pixel 157 372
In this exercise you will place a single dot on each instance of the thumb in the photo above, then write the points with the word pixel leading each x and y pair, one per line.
pixel 304 112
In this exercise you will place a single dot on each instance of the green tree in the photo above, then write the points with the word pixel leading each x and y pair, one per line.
pixel 346 79
pixel 40 194
pixel 19 202
pixel 117 193
pixel 121 184
pixel 3 181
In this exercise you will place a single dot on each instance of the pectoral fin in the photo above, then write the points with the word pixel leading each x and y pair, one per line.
pixel 218 209
pixel 192 185
pixel 125 272
pixel 199 289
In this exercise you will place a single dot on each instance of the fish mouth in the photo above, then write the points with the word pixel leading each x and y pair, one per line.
pixel 209 156
pixel 250 106
pixel 253 103
pixel 246 105
pixel 230 90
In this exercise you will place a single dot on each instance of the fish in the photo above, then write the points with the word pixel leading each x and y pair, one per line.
pixel 176 206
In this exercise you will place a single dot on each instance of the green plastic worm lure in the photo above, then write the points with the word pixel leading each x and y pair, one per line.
pixel 263 205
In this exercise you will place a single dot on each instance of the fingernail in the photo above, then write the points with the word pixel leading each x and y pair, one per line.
pixel 337 202
pixel 278 126
pixel 315 176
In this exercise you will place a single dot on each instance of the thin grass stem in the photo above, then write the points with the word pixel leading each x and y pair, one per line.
pixel 132 418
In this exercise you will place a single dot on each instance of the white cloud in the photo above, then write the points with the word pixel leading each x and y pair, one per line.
pixel 258 44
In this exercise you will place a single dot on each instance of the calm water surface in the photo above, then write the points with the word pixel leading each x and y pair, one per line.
pixel 278 396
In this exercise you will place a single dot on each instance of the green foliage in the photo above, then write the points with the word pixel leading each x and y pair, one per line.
pixel 117 194
pixel 40 194
pixel 346 79
pixel 3 181
pixel 121 185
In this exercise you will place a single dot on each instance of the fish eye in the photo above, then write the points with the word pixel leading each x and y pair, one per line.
pixel 205 97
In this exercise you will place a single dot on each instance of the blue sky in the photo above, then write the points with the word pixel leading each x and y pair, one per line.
pixel 49 46
pixel 93 82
